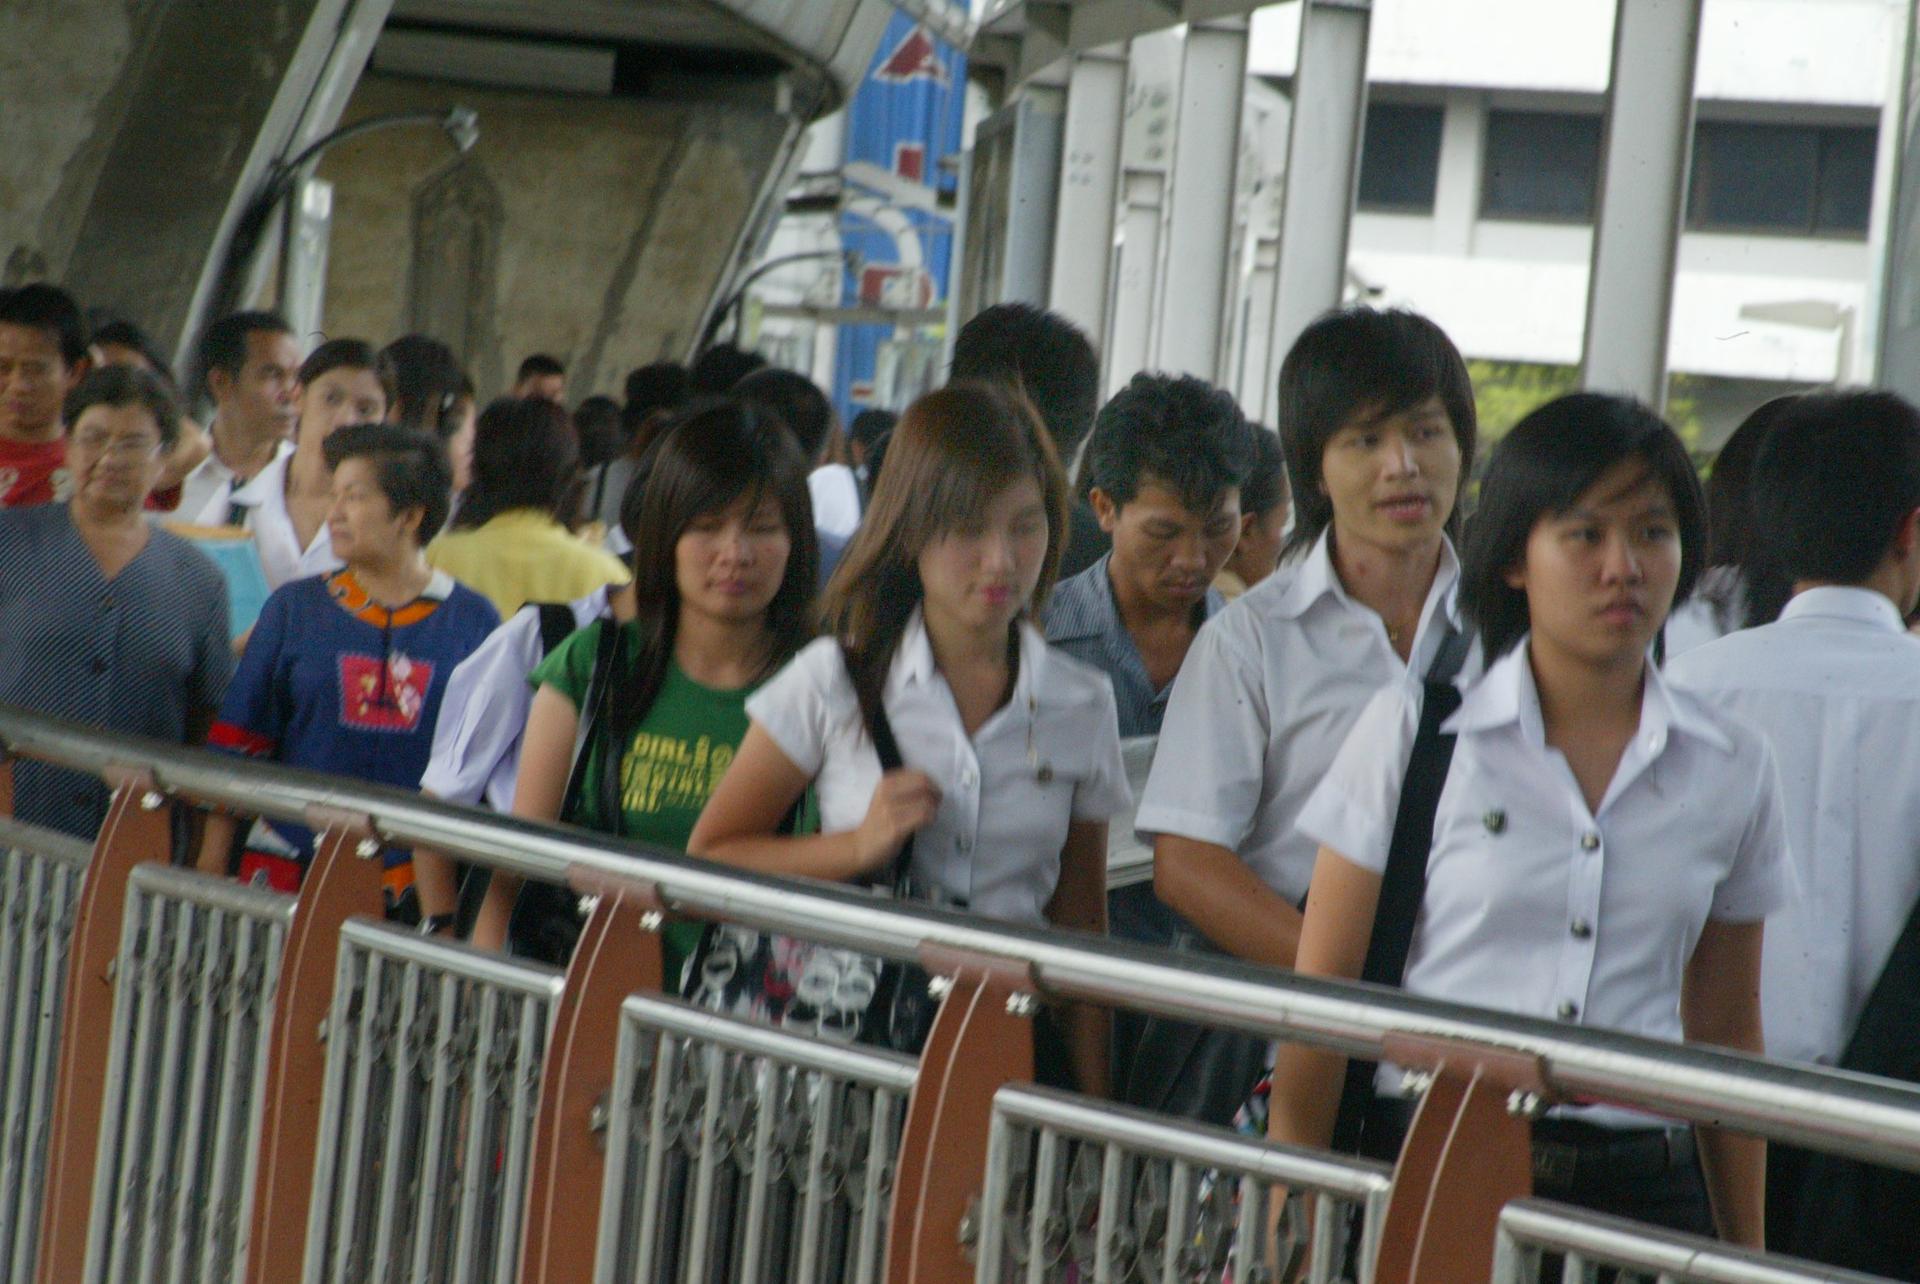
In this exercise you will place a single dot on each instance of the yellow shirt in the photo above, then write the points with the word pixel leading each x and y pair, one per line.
pixel 1229 584
pixel 523 556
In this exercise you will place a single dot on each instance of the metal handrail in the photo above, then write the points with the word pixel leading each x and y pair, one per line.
pixel 1834 1111
pixel 1533 1225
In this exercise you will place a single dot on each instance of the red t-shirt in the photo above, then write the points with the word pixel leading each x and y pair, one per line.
pixel 27 471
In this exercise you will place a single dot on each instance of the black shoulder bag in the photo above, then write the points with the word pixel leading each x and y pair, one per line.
pixel 546 919
pixel 1403 885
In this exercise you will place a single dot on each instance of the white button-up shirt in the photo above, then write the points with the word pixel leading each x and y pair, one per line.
pixel 476 742
pixel 1264 700
pixel 281 554
pixel 207 492
pixel 1834 686
pixel 1535 904
pixel 1048 757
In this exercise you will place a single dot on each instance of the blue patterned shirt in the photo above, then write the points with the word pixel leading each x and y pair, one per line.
pixel 1084 621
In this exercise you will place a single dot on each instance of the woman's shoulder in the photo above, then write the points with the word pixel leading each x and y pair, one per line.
pixel 1065 680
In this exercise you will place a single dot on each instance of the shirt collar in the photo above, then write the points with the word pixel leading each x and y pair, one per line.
pixel 913 663
pixel 1843 602
pixel 1315 578
pixel 1506 695
pixel 270 482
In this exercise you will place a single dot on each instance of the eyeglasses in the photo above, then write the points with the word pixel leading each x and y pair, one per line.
pixel 124 447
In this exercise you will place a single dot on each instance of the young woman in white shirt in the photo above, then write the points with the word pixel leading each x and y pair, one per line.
pixel 1011 754
pixel 1604 847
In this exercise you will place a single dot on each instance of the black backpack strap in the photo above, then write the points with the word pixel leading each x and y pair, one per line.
pixel 1886 1039
pixel 884 744
pixel 1403 884
pixel 556 625
pixel 592 708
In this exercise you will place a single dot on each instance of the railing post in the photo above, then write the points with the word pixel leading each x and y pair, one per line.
pixel 618 953
pixel 982 1039
pixel 138 828
pixel 1468 1154
pixel 343 880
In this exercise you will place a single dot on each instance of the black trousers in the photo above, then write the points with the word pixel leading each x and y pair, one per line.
pixel 1649 1175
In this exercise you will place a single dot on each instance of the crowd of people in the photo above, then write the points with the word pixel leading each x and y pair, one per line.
pixel 1611 750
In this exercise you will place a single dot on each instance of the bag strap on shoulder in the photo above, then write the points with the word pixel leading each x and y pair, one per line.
pixel 880 730
pixel 1403 884
pixel 592 707
pixel 556 625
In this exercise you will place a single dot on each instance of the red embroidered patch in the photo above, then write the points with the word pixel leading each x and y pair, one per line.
pixel 389 697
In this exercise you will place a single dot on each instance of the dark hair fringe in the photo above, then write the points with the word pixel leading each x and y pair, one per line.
pixel 118 386
pixel 410 466
pixel 1182 431
pixel 1540 469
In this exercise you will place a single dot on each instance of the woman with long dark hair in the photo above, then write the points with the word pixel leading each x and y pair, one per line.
pixel 723 566
pixel 1599 848
pixel 1009 752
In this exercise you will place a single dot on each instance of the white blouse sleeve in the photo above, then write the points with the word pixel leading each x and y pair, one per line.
pixel 1761 875
pixel 484 711
pixel 1354 807
pixel 1210 765
pixel 800 704
pixel 1104 793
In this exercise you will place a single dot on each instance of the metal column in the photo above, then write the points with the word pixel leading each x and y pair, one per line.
pixel 1323 165
pixel 1133 280
pixel 1896 268
pixel 1206 155
pixel 1643 189
pixel 1089 187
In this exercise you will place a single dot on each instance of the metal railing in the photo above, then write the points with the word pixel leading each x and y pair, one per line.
pixel 40 873
pixel 1586 1242
pixel 1832 1111
pixel 1078 1189
pixel 193 992
pixel 433 1068
pixel 743 1153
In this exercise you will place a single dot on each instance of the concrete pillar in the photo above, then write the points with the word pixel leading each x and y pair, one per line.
pixel 1206 154
pixel 1146 157
pixel 1895 283
pixel 1089 187
pixel 1456 197
pixel 1323 165
pixel 1642 197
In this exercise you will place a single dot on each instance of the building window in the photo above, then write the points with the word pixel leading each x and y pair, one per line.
pixel 1400 158
pixel 1540 165
pixel 1794 179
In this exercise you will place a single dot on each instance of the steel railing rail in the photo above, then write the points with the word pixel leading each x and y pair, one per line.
pixel 1529 1227
pixel 1841 1113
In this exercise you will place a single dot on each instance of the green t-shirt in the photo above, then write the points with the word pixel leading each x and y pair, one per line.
pixel 671 763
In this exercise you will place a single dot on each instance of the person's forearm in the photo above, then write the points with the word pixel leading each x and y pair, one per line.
pixel 833 857
pixel 1214 890
pixel 1736 1171
pixel 1305 1095
pixel 1089 1046
pixel 216 844
pixel 496 911
pixel 434 883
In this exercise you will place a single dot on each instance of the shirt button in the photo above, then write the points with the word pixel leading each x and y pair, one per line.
pixel 1567 1010
pixel 967 778
pixel 965 845
pixel 1582 929
pixel 1589 842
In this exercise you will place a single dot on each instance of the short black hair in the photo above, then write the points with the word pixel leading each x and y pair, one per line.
pixel 870 426
pixel 428 382
pixel 1266 486
pixel 1364 360
pixel 348 354
pixel 597 426
pixel 1041 354
pixel 1540 469
pixel 118 386
pixel 122 333
pixel 525 455
pixel 720 367
pixel 410 466
pixel 224 345
pixel 1836 476
pixel 49 309
pixel 1178 430
pixel 800 404
pixel 538 365
pixel 663 385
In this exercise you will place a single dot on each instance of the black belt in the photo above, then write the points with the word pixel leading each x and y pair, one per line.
pixel 1567 1153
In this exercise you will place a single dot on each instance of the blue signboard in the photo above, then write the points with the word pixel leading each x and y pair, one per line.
pixel 905 120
